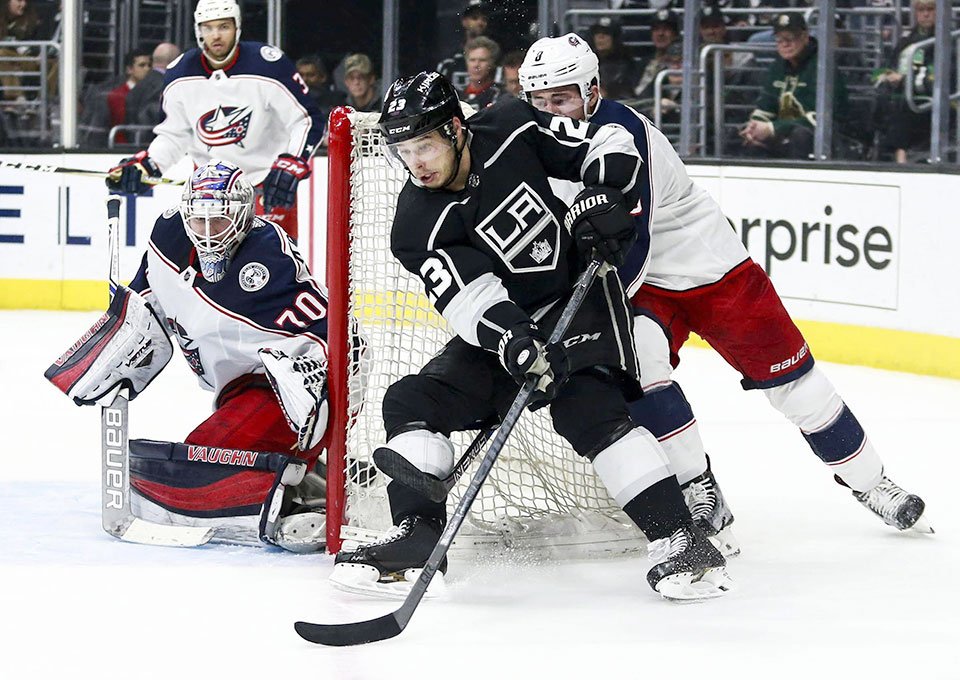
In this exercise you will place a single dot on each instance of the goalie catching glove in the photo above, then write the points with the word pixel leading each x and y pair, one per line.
pixel 599 220
pixel 300 384
pixel 524 352
pixel 126 348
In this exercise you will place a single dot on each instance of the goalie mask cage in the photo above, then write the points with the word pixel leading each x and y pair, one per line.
pixel 540 495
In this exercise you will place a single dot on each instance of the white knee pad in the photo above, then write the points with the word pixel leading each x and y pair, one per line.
pixel 809 402
pixel 653 351
pixel 427 451
pixel 631 465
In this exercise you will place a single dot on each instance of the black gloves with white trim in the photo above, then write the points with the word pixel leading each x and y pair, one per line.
pixel 600 220
pixel 524 352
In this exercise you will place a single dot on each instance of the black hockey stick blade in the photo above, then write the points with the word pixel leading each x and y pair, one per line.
pixel 391 625
pixel 346 634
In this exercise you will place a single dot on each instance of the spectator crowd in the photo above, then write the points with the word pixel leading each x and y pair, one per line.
pixel 768 63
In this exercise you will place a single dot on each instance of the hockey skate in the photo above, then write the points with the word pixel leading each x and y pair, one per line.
pixel 896 507
pixel 687 566
pixel 710 512
pixel 303 532
pixel 391 565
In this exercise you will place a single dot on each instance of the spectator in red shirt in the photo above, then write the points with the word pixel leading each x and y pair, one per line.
pixel 137 65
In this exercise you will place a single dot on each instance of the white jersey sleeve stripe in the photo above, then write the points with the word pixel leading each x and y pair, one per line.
pixel 276 331
pixel 506 143
pixel 465 311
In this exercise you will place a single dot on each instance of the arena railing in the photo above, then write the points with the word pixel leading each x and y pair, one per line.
pixel 876 28
pixel 28 87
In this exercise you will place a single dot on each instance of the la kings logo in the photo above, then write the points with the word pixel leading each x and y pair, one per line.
pixel 523 232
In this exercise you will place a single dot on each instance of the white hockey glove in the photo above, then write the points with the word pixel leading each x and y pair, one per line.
pixel 300 384
pixel 126 347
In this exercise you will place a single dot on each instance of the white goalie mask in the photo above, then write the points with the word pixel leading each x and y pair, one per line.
pixel 210 10
pixel 555 62
pixel 217 212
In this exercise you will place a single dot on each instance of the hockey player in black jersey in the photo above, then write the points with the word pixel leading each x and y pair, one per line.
pixel 498 254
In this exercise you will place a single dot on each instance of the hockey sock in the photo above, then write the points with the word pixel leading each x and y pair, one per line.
pixel 659 510
pixel 666 412
pixel 637 474
pixel 404 502
pixel 844 447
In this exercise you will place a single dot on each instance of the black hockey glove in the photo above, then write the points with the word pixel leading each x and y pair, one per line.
pixel 599 220
pixel 526 356
pixel 127 176
pixel 280 186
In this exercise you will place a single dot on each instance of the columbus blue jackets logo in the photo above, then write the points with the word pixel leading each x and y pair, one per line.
pixel 224 125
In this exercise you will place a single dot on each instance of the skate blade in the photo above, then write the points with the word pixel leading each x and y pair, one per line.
pixel 686 587
pixel 726 542
pixel 364 579
pixel 922 526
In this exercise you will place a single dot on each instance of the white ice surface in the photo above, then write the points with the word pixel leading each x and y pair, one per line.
pixel 824 590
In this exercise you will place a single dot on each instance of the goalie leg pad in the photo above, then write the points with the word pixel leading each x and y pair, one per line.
pixel 126 347
pixel 216 484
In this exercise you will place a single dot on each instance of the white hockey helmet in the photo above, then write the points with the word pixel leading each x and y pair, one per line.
pixel 209 10
pixel 553 62
pixel 217 212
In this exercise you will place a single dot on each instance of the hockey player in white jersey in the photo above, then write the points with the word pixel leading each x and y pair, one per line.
pixel 689 272
pixel 238 101
pixel 236 295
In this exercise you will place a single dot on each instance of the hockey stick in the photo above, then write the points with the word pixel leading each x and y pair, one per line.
pixel 391 625
pixel 118 520
pixel 400 469
pixel 44 167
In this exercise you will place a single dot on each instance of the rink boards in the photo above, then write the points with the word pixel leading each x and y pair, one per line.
pixel 863 258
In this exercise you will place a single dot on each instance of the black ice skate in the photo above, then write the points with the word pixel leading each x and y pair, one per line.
pixel 687 566
pixel 896 507
pixel 389 566
pixel 710 512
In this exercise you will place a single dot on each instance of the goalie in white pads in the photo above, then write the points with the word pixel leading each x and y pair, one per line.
pixel 236 295
pixel 478 223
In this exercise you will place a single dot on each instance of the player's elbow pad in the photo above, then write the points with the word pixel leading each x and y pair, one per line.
pixel 125 349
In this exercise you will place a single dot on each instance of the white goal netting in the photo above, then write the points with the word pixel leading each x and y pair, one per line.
pixel 540 495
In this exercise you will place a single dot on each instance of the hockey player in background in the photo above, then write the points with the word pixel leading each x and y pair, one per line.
pixel 251 322
pixel 690 269
pixel 478 223
pixel 242 102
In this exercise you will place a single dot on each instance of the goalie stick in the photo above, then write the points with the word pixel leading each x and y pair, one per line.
pixel 391 625
pixel 118 520
pixel 400 469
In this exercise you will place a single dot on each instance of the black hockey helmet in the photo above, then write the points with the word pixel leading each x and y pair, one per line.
pixel 418 105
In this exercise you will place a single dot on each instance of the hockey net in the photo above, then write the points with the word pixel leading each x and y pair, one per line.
pixel 540 496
